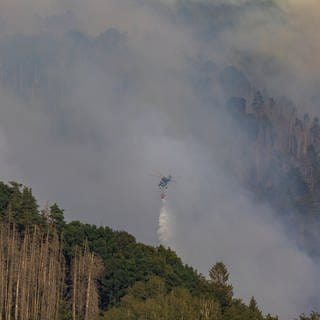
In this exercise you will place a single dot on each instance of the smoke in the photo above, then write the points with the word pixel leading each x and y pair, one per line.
pixel 98 94
pixel 261 260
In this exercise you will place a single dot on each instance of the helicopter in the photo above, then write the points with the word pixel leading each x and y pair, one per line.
pixel 163 184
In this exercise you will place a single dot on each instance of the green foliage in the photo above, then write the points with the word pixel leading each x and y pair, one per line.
pixel 254 312
pixel 64 312
pixel 145 290
pixel 218 285
pixel 219 274
pixel 313 316
pixel 5 196
pixel 239 311
pixel 56 217
pixel 29 209
pixel 127 261
pixel 140 281
pixel 18 203
pixel 151 301
pixel 271 317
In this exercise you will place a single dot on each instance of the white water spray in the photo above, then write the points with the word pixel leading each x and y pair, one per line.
pixel 165 230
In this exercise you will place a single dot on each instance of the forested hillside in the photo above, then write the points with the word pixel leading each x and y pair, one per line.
pixel 51 269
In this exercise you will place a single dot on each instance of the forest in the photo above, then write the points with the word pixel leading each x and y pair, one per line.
pixel 51 269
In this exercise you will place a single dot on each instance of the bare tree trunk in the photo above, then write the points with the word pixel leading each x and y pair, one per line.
pixel 7 262
pixel 31 279
pixel 89 287
pixel 24 258
pixel 16 306
pixel 11 272
pixel 75 283
pixel 60 276
pixel 2 270
pixel 86 267
pixel 44 301
pixel 32 272
pixel 20 280
pixel 32 276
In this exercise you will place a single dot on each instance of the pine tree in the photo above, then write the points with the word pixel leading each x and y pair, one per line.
pixel 56 216
pixel 255 313
pixel 221 290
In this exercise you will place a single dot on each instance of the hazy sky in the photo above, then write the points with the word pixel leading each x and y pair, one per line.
pixel 130 107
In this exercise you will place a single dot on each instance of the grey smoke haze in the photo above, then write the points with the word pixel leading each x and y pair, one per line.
pixel 113 106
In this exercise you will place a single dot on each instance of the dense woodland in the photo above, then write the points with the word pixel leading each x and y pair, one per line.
pixel 50 269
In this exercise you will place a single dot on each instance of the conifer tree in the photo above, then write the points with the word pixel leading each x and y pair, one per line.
pixel 221 290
